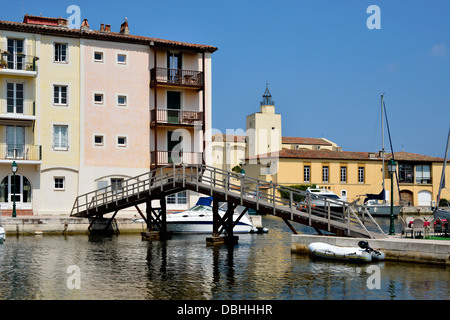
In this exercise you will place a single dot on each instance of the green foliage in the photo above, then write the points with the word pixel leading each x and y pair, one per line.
pixel 237 169
pixel 297 197
pixel 444 203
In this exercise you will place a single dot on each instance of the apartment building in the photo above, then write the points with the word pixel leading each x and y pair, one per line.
pixel 84 109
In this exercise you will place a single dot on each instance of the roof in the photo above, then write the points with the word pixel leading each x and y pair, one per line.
pixel 64 31
pixel 306 141
pixel 345 155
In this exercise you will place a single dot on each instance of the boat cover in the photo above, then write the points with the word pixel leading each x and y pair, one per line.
pixel 205 201
pixel 380 196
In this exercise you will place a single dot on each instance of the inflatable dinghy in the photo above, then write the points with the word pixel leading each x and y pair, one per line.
pixel 362 254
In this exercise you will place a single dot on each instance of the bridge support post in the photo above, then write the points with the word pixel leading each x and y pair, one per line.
pixel 222 223
pixel 156 221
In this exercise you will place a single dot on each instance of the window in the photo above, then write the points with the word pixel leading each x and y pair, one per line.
pixel 325 174
pixel 307 174
pixel 15 142
pixel 15 97
pixel 101 186
pixel 122 100
pixel 122 142
pixel 60 137
pixel 423 174
pixel 178 198
pixel 343 174
pixel 60 95
pixel 98 140
pixel 98 56
pixel 98 98
pixel 59 183
pixel 122 59
pixel 61 52
pixel 116 184
pixel 405 173
pixel 361 175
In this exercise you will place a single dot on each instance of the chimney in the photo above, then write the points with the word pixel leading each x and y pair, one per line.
pixel 102 28
pixel 85 25
pixel 124 29
pixel 63 22
pixel 108 28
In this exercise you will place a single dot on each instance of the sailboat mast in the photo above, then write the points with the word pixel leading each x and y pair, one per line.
pixel 442 185
pixel 382 143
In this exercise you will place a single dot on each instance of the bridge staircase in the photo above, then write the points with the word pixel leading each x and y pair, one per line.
pixel 321 213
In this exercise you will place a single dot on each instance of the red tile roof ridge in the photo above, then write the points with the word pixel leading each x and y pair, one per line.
pixel 36 28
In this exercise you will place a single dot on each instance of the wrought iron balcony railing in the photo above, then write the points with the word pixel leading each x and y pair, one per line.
pixel 176 77
pixel 17 61
pixel 180 117
pixel 24 152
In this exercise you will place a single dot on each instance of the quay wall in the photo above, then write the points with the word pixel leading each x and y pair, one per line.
pixel 64 225
pixel 395 248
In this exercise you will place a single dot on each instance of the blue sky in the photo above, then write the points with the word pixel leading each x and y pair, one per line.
pixel 325 68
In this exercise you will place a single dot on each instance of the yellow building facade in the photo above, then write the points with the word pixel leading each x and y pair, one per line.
pixel 353 175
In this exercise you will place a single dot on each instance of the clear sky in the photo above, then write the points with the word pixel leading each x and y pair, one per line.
pixel 326 69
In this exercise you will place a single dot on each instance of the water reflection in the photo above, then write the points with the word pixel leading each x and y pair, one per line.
pixel 185 268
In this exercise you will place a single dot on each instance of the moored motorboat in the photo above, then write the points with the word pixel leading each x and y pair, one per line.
pixel 199 220
pixel 2 234
pixel 361 254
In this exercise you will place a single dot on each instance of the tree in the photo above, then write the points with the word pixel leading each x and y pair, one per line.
pixel 237 169
pixel 296 197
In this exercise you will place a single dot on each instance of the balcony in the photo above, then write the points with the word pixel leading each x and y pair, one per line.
pixel 175 157
pixel 176 78
pixel 171 117
pixel 22 153
pixel 17 110
pixel 18 64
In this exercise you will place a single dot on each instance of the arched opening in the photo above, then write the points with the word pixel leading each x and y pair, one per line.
pixel 16 188
pixel 407 198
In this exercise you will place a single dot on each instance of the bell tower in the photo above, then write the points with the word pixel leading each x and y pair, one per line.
pixel 264 128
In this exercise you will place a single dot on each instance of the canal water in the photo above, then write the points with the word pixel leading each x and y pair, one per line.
pixel 260 267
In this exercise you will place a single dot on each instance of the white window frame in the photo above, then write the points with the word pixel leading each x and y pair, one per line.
pixel 60 95
pixel 60 148
pixel 63 188
pixel 343 174
pixel 55 44
pixel 361 175
pixel 307 174
pixel 180 198
pixel 103 56
pixel 102 103
pixel 119 63
pixel 97 145
pixel 122 146
pixel 325 174
pixel 121 105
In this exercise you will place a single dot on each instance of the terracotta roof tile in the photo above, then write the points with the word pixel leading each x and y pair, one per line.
pixel 305 141
pixel 98 35
pixel 345 155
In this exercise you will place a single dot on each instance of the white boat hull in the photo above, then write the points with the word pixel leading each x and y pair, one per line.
pixel 326 251
pixel 2 235
pixel 202 226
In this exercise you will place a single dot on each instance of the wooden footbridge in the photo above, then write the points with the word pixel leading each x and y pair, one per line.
pixel 331 216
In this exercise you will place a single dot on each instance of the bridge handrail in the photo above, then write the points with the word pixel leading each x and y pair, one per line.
pixel 232 183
